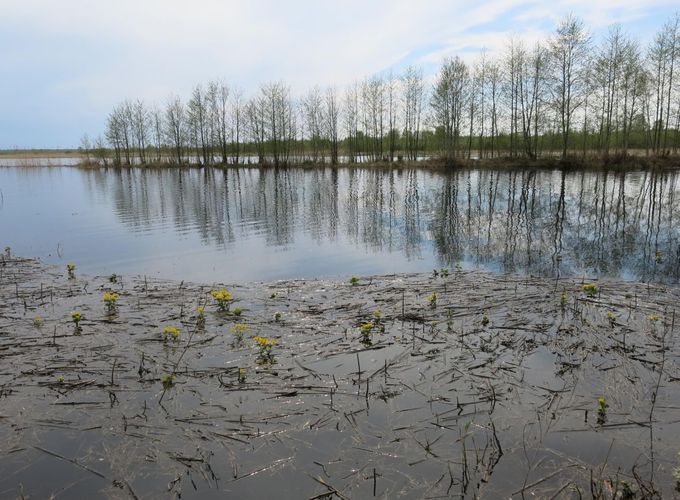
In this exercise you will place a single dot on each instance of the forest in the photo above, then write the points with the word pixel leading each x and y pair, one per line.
pixel 562 97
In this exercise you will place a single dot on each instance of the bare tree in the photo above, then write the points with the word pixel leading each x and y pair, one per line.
pixel 175 123
pixel 449 99
pixel 331 123
pixel 312 109
pixel 413 88
pixel 569 53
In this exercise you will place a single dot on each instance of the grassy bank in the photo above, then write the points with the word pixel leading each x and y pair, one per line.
pixel 636 161
pixel 420 385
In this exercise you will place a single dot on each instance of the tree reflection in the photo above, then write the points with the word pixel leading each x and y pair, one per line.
pixel 539 222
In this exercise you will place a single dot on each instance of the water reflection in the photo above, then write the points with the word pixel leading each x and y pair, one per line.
pixel 540 222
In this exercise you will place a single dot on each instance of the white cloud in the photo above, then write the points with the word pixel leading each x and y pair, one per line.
pixel 105 51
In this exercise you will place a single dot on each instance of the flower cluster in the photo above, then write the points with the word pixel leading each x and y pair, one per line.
pixel 590 289
pixel 171 331
pixel 239 330
pixel 77 317
pixel 223 298
pixel 366 330
pixel 264 341
pixel 265 346
pixel 602 410
pixel 200 317
pixel 110 299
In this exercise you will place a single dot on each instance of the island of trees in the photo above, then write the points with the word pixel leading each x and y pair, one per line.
pixel 563 98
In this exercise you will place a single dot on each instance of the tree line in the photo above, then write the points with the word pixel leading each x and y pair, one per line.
pixel 564 96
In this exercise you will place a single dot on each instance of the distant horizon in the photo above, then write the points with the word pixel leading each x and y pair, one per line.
pixel 66 66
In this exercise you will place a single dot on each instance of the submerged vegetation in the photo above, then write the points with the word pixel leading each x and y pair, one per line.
pixel 465 410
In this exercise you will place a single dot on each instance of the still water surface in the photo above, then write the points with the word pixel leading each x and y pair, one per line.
pixel 263 224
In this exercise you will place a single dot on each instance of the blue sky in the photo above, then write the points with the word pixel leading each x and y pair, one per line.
pixel 64 64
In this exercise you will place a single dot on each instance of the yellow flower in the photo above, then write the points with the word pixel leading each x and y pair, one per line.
pixel 110 299
pixel 200 310
pixel 264 341
pixel 76 316
pixel 367 327
pixel 222 297
pixel 239 329
pixel 590 289
pixel 172 331
pixel 221 294
pixel 653 318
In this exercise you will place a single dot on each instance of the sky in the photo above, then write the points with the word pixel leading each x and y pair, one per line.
pixel 64 64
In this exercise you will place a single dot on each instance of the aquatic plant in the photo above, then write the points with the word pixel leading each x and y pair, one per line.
pixel 601 410
pixel 658 257
pixel 272 295
pixel 563 299
pixel 353 280
pixel 37 322
pixel 238 311
pixel 110 299
pixel 653 320
pixel 242 372
pixel 171 331
pixel 200 317
pixel 77 317
pixel 71 270
pixel 377 316
pixel 627 490
pixel 444 272
pixel 366 329
pixel 113 278
pixel 432 299
pixel 485 320
pixel 265 345
pixel 277 316
pixel 223 298
pixel 611 317
pixel 168 380
pixel 590 289
pixel 239 330
pixel 60 379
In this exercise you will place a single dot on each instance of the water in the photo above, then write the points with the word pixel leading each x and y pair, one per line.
pixel 264 224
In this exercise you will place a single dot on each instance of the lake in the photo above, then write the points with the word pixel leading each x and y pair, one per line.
pixel 252 224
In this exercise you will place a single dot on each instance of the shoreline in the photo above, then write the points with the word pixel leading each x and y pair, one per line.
pixel 515 362
pixel 573 163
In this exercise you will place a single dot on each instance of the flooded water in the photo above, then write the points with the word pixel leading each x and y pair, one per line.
pixel 263 224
